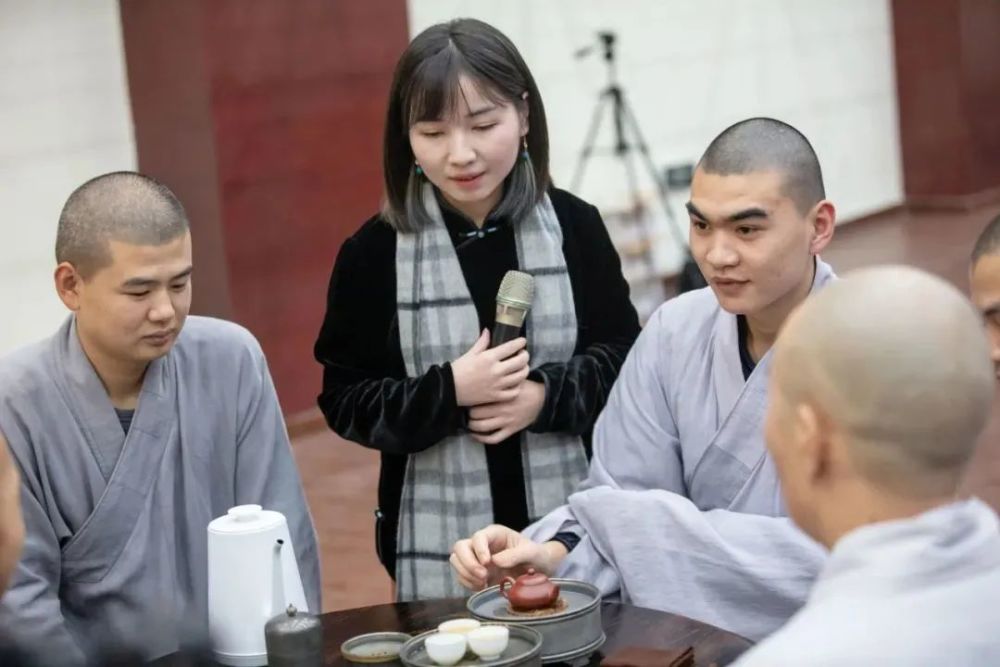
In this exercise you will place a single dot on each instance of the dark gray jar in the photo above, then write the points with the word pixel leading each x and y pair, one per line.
pixel 294 640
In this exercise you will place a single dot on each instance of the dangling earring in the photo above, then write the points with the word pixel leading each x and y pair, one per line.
pixel 419 169
pixel 524 151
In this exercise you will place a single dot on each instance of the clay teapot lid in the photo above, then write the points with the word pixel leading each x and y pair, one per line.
pixel 532 578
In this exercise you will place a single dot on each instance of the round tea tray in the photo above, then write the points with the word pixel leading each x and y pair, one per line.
pixel 523 650
pixel 375 647
pixel 572 632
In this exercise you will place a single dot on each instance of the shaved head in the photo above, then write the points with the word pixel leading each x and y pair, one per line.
pixel 896 360
pixel 766 144
pixel 121 206
pixel 988 242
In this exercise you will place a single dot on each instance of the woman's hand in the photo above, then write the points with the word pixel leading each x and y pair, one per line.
pixel 495 422
pixel 484 376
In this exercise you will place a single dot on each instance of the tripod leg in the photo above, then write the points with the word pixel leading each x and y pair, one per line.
pixel 631 177
pixel 638 209
pixel 657 180
pixel 690 277
pixel 588 144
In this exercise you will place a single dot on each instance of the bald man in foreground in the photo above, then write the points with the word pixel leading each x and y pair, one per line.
pixel 132 427
pixel 880 386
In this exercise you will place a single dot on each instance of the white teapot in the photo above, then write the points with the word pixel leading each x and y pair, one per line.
pixel 252 576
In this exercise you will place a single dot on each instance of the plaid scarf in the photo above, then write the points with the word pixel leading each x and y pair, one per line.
pixel 446 492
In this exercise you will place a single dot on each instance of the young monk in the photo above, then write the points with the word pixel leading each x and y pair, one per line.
pixel 11 523
pixel 685 419
pixel 983 478
pixel 132 427
pixel 984 279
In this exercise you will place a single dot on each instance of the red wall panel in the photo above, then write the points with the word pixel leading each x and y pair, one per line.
pixel 293 95
pixel 948 82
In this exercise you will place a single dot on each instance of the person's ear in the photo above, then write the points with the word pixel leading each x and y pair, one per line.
pixel 823 219
pixel 813 442
pixel 69 285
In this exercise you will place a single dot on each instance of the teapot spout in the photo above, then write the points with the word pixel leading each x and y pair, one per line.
pixel 278 600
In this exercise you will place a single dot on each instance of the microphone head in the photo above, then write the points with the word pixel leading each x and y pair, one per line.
pixel 517 289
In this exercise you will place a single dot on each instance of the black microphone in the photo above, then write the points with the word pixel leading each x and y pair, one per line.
pixel 517 290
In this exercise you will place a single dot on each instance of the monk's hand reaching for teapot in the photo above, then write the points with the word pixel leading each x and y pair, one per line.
pixel 496 552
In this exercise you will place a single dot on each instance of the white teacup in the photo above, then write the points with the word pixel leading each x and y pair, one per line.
pixel 446 648
pixel 460 625
pixel 489 641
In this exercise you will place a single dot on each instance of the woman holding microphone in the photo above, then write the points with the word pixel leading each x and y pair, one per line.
pixel 470 434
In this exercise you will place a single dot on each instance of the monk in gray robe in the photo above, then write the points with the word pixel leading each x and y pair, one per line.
pixel 701 529
pixel 983 477
pixel 132 427
pixel 984 281
pixel 11 523
pixel 880 387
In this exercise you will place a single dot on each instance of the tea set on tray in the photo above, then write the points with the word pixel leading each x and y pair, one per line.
pixel 531 620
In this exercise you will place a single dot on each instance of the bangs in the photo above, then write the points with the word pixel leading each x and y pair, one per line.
pixel 434 91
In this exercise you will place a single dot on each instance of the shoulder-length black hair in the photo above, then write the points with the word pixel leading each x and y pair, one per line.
pixel 426 85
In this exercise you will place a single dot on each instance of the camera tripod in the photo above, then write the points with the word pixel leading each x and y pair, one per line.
pixel 625 126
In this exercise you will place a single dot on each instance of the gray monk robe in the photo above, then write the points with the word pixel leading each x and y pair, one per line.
pixel 116 545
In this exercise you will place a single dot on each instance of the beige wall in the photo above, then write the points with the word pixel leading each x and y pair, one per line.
pixel 64 117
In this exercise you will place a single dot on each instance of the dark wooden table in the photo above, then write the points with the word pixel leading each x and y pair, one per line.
pixel 624 625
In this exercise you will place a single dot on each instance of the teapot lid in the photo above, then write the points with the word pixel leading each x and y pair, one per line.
pixel 532 578
pixel 293 619
pixel 244 519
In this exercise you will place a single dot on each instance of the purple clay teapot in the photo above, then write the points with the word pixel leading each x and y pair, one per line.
pixel 530 591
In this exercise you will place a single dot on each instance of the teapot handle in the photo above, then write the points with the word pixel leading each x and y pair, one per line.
pixel 505 584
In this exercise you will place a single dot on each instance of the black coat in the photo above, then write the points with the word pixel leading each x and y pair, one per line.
pixel 368 398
